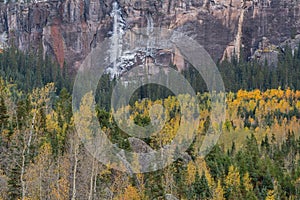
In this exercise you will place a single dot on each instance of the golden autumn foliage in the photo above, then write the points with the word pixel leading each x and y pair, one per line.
pixel 271 195
pixel 233 183
pixel 191 172
pixel 202 167
pixel 225 175
pixel 273 111
pixel 218 192
pixel 233 179
pixel 130 193
pixel 247 182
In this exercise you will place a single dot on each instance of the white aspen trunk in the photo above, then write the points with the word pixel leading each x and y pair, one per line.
pixel 22 173
pixel 31 131
pixel 95 182
pixel 74 173
pixel 26 147
pixel 91 181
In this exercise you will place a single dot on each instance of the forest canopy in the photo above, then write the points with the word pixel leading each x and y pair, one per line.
pixel 257 155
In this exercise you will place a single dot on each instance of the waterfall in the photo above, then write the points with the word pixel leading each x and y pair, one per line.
pixel 116 38
pixel 238 39
pixel 120 57
pixel 149 30
pixel 149 24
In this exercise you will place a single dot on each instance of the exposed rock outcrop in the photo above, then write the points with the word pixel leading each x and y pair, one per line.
pixel 68 29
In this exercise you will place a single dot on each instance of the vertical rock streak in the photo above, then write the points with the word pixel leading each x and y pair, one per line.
pixel 116 39
pixel 238 39
pixel 149 30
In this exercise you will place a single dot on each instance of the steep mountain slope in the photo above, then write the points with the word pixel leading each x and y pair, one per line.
pixel 68 29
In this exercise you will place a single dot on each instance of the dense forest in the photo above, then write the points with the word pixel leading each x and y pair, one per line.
pixel 257 156
pixel 34 69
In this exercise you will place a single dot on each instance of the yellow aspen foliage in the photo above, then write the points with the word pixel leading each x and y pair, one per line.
pixel 209 178
pixel 60 187
pixel 251 120
pixel 283 106
pixel 218 192
pixel 40 173
pixel 241 94
pixel 106 170
pixel 256 129
pixel 85 118
pixel 288 93
pixel 247 182
pixel 201 165
pixel 271 195
pixel 191 172
pixel 280 93
pixel 52 122
pixel 40 97
pixel 252 105
pixel 201 126
pixel 298 105
pixel 257 94
pixel 233 183
pixel 233 178
pixel 131 193
pixel 142 187
pixel 61 192
pixel 272 93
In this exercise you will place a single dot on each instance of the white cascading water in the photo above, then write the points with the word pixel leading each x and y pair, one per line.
pixel 149 30
pixel 116 39
pixel 123 59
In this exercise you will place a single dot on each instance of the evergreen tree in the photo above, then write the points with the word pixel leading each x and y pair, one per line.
pixel 3 114
pixel 200 187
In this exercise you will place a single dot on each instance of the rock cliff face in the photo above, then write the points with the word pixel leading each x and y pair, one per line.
pixel 68 29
